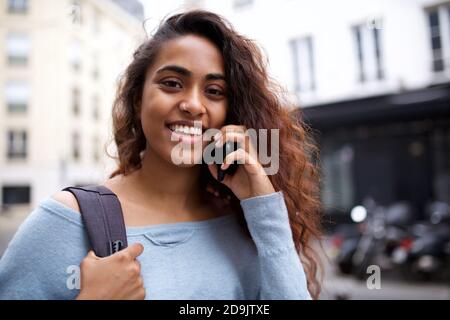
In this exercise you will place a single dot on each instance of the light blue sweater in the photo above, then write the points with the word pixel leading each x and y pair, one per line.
pixel 209 259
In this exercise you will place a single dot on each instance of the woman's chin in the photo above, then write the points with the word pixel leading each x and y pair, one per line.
pixel 185 156
pixel 187 166
pixel 187 161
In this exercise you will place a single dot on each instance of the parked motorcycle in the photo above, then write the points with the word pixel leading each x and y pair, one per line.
pixel 344 242
pixel 429 256
pixel 387 230
pixel 393 239
pixel 378 235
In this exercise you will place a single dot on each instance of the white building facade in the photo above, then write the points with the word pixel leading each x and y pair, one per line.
pixel 323 34
pixel 59 66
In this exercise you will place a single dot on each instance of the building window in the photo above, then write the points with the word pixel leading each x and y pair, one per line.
pixel 96 21
pixel 338 190
pixel 448 19
pixel 75 13
pixel 95 67
pixel 17 96
pixel 18 49
pixel 369 51
pixel 95 107
pixel 76 97
pixel 436 43
pixel 95 149
pixel 238 4
pixel 439 25
pixel 75 55
pixel 303 62
pixel 17 6
pixel 376 37
pixel 17 144
pixel 15 195
pixel 76 151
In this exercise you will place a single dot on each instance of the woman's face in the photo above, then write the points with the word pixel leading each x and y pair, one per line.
pixel 185 83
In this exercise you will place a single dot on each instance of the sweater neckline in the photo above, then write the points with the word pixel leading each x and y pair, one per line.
pixel 72 215
pixel 197 224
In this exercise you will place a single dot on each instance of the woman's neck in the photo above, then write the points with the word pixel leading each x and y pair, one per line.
pixel 163 184
pixel 169 181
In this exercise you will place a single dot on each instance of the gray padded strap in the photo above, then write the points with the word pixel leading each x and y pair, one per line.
pixel 102 215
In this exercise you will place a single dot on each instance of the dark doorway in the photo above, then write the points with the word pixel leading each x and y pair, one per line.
pixel 394 169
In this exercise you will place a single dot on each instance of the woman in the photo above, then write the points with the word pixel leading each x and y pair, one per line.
pixel 190 236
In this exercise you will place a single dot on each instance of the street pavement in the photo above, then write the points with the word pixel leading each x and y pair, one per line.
pixel 337 286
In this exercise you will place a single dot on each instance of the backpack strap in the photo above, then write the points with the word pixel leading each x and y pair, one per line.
pixel 102 215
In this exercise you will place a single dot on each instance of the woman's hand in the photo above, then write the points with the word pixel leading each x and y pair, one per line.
pixel 250 179
pixel 116 277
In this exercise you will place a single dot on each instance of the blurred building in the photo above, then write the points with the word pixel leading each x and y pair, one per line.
pixel 59 65
pixel 373 78
pixel 132 6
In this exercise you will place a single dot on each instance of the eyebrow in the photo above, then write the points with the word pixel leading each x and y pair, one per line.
pixel 185 72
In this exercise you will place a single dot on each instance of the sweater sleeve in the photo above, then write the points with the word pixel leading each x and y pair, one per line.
pixel 38 261
pixel 282 274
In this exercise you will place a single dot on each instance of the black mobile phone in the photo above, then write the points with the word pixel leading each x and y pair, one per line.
pixel 227 148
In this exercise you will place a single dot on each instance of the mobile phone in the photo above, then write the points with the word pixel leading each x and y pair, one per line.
pixel 227 148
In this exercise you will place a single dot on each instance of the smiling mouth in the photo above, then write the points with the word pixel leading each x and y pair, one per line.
pixel 185 130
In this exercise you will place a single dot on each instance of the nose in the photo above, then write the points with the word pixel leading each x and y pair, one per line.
pixel 193 103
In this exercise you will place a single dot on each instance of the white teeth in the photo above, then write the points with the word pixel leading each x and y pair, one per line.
pixel 191 130
pixel 186 129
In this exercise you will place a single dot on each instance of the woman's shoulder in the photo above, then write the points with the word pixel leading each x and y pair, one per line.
pixel 60 208
pixel 68 199
pixel 47 242
pixel 51 225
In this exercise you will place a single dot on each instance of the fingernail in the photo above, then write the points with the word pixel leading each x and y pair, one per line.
pixel 218 143
pixel 216 136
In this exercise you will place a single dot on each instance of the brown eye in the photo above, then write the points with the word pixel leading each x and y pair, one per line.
pixel 215 92
pixel 172 84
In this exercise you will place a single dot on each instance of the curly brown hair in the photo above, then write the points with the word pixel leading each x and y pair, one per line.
pixel 256 101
